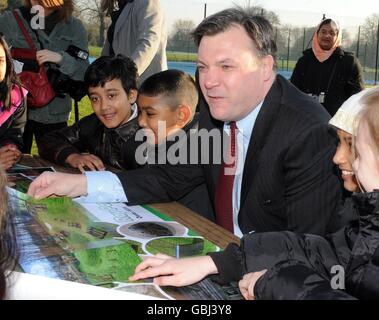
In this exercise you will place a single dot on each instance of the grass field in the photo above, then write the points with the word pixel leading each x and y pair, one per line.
pixel 94 51
pixel 181 56
pixel 84 110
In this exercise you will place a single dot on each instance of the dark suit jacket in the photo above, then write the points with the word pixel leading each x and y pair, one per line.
pixel 289 180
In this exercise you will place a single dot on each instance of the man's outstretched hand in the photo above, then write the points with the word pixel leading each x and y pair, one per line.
pixel 58 184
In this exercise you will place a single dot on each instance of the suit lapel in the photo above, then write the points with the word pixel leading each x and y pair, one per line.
pixel 262 128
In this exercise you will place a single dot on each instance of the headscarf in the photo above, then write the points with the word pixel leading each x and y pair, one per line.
pixel 321 54
pixel 347 115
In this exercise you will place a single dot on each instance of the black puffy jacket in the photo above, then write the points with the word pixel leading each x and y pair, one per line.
pixel 303 266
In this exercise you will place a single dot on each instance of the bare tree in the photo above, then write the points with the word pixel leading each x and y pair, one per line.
pixel 369 37
pixel 91 11
pixel 248 3
pixel 180 38
pixel 258 10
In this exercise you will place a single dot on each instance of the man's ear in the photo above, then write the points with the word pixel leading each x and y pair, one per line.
pixel 268 66
pixel 184 115
pixel 132 96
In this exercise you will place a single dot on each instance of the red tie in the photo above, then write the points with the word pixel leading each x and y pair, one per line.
pixel 224 188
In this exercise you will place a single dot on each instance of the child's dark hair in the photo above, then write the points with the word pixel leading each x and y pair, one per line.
pixel 10 77
pixel 177 86
pixel 108 68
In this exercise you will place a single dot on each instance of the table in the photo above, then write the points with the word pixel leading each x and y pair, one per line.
pixel 174 210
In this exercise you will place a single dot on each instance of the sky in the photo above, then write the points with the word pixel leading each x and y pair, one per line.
pixel 350 13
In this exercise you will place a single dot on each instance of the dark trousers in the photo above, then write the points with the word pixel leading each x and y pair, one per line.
pixel 39 130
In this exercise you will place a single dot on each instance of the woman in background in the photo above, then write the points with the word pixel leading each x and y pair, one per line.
pixel 137 31
pixel 327 72
pixel 61 31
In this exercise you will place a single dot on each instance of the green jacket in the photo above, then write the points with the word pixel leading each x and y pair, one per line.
pixel 64 34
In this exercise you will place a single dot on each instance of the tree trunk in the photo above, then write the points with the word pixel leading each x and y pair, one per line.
pixel 101 29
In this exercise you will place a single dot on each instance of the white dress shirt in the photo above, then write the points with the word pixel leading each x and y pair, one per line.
pixel 245 128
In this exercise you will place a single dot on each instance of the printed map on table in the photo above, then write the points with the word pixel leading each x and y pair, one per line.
pixel 101 244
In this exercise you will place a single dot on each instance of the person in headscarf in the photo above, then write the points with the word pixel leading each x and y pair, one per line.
pixel 325 71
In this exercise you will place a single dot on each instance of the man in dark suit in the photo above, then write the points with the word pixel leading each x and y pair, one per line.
pixel 283 176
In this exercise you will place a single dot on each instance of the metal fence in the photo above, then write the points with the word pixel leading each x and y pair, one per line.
pixel 293 31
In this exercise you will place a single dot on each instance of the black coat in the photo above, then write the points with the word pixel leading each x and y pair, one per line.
pixel 301 266
pixel 289 181
pixel 339 77
pixel 115 147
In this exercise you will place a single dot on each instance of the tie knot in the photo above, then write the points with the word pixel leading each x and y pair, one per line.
pixel 232 140
pixel 233 127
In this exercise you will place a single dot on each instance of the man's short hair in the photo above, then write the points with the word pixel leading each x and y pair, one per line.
pixel 176 86
pixel 258 28
pixel 108 68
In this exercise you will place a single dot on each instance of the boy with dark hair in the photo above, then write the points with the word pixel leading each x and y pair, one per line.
pixel 167 104
pixel 107 135
pixel 169 97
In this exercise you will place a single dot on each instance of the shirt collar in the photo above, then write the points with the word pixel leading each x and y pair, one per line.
pixel 134 112
pixel 246 124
